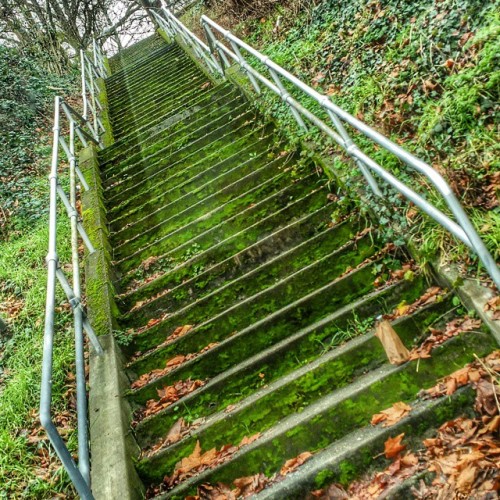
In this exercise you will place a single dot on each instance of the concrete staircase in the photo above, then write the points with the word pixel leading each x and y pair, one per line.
pixel 248 288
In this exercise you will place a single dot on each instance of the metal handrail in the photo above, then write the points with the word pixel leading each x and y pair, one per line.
pixel 461 226
pixel 90 71
pixel 79 475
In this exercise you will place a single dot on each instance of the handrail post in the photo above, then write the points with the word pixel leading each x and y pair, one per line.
pixel 284 95
pixel 84 87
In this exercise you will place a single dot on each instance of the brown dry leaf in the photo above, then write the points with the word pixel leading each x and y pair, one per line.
pixel 396 352
pixel 294 463
pixel 177 360
pixel 248 440
pixel 175 432
pixel 392 415
pixel 248 486
pixel 192 461
pixel 493 306
pixel 393 446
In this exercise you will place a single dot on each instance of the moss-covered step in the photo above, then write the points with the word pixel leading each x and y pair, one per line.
pixel 208 138
pixel 243 329
pixel 260 183
pixel 221 108
pixel 216 244
pixel 117 72
pixel 127 80
pixel 180 121
pixel 307 357
pixel 225 227
pixel 260 277
pixel 157 97
pixel 157 121
pixel 208 269
pixel 151 133
pixel 334 416
pixel 133 54
pixel 361 452
pixel 288 395
pixel 204 176
pixel 133 120
pixel 157 91
pixel 229 186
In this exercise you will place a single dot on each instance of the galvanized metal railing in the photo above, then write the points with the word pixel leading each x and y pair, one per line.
pixel 90 71
pixel 224 49
pixel 77 126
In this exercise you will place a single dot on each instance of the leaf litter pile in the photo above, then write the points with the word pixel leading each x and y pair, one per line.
pixel 170 365
pixel 243 487
pixel 460 461
pixel 167 396
pixel 198 462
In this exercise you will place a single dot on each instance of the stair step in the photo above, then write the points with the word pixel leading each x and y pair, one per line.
pixel 117 151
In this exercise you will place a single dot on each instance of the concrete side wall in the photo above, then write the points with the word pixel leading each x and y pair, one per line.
pixel 112 446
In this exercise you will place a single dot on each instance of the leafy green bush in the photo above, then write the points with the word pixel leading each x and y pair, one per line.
pixel 25 117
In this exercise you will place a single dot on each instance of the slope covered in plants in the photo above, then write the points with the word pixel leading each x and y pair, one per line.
pixel 424 73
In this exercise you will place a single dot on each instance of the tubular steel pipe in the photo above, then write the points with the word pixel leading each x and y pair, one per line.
pixel 48 341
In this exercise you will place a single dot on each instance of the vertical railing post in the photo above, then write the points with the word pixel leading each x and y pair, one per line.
pixel 242 61
pixel 284 94
pixel 84 86
pixel 348 145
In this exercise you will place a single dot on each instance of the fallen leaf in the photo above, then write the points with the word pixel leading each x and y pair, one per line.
pixel 393 446
pixel 395 350
pixel 294 463
pixel 392 415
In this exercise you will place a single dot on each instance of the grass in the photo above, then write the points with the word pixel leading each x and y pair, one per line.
pixel 28 467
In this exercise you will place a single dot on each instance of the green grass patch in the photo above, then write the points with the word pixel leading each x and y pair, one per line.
pixel 28 467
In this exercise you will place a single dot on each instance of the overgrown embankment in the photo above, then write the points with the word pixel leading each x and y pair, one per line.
pixel 28 467
pixel 424 73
